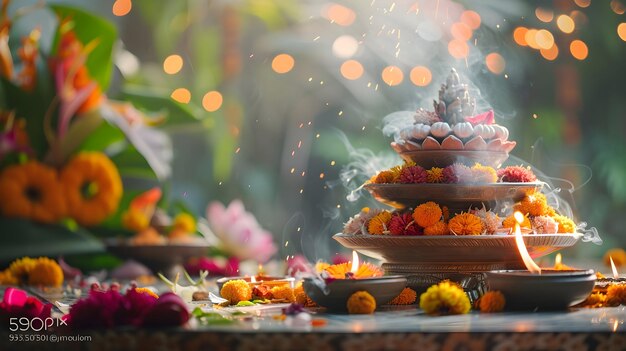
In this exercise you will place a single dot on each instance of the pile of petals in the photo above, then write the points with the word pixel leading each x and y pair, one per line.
pixel 110 308
pixel 16 304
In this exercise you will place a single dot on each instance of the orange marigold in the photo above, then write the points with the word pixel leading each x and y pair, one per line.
pixel 366 270
pixel 46 272
pixel 406 297
pixel 466 224
pixel 283 292
pixel 303 299
pixel 396 171
pixel 361 302
pixel 385 177
pixel 7 278
pixel 439 228
pixel 427 214
pixel 509 222
pixel 435 175
pixel 616 295
pixel 566 225
pixel 236 291
pixel 534 204
pixel 492 301
pixel 378 224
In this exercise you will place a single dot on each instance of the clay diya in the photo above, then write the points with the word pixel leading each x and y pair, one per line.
pixel 602 284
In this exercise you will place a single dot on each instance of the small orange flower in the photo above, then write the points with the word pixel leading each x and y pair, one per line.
pixel 492 301
pixel 283 292
pixel 439 228
pixel 466 224
pixel 435 175
pixel 406 297
pixel 427 214
pixel 385 177
pixel 534 204
pixel 236 291
pixel 510 221
pixel 361 302
pixel 566 225
pixel 378 224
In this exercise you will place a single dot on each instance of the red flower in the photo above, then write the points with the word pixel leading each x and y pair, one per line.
pixel 168 311
pixel 98 310
pixel 413 175
pixel 403 224
pixel 16 303
pixel 134 307
pixel 456 173
pixel 516 174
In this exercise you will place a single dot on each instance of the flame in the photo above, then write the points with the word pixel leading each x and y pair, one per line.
pixel 260 271
pixel 558 260
pixel 615 324
pixel 615 273
pixel 519 240
pixel 355 262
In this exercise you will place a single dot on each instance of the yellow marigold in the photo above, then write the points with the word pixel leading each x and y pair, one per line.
pixel 395 171
pixel 427 214
pixel 566 225
pixel 594 300
pixel 534 204
pixel 361 302
pixel 46 272
pixel 434 175
pixel 135 220
pixel 7 278
pixel 21 268
pixel 236 290
pixel 366 270
pixel 618 255
pixel 444 298
pixel 147 292
pixel 385 177
pixel 509 222
pixel 406 297
pixel 378 224
pixel 484 174
pixel 93 187
pixel 186 222
pixel 616 295
pixel 31 191
pixel 466 224
pixel 439 228
pixel 492 301
pixel 283 292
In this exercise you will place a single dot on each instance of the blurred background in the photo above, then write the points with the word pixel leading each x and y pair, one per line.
pixel 288 93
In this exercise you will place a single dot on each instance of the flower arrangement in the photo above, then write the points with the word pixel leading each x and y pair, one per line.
pixel 40 271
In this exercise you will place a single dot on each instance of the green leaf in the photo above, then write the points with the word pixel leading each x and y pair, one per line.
pixel 244 304
pixel 176 113
pixel 88 28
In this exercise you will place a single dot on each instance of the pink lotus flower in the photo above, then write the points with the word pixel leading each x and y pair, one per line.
pixel 16 303
pixel 239 232
pixel 483 118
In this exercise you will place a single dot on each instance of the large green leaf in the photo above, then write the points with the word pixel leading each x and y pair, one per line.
pixel 176 113
pixel 20 237
pixel 88 28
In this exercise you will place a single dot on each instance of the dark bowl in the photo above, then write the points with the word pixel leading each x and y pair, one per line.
pixel 550 290
pixel 383 289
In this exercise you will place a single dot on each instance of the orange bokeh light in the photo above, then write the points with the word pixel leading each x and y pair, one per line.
pixel 122 7
pixel 461 31
pixel 544 39
pixel 458 48
pixel 392 75
pixel 621 31
pixel 565 23
pixel 579 49
pixel 617 7
pixel 495 63
pixel 351 69
pixel 181 95
pixel 212 101
pixel 550 54
pixel 172 64
pixel 343 16
pixel 283 63
pixel 471 18
pixel 531 38
pixel 421 76
pixel 544 15
pixel 583 3
pixel 519 35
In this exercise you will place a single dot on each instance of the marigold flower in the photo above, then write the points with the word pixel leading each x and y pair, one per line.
pixel 545 225
pixel 618 255
pixel 396 171
pixel 594 300
pixel 492 301
pixel 427 214
pixel 283 292
pixel 31 191
pixel 403 224
pixel 361 302
pixel 303 299
pixel 616 295
pixel 534 204
pixel 413 175
pixel 22 267
pixel 457 173
pixel 439 228
pixel 358 223
pixel 185 222
pixel 147 291
pixel 483 174
pixel 46 272
pixel 444 298
pixel 93 187
pixel 435 175
pixel 516 174
pixel 378 224
pixel 7 278
pixel 406 297
pixel 135 220
pixel 566 225
pixel 466 224
pixel 366 270
pixel 385 177
pixel 510 221
pixel 236 290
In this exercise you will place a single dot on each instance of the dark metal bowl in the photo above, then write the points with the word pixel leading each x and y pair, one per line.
pixel 383 289
pixel 550 290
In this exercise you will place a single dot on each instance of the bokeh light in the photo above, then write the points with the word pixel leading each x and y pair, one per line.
pixel 122 7
pixel 345 46
pixel 461 31
pixel 351 69
pixel 212 101
pixel 519 35
pixel 579 49
pixel 583 3
pixel 343 16
pixel 618 7
pixel 550 54
pixel 471 18
pixel 544 15
pixel 392 75
pixel 565 24
pixel 458 48
pixel 181 95
pixel 531 38
pixel 172 64
pixel 495 63
pixel 420 76
pixel 283 63
pixel 544 39
pixel 621 31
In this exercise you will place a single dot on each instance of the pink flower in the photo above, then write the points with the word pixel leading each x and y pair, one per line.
pixel 16 303
pixel 98 310
pixel 168 311
pixel 483 118
pixel 214 266
pixel 239 232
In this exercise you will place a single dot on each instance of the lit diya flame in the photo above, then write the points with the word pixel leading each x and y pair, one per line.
pixel 615 273
pixel 353 270
pixel 519 240
pixel 558 260
pixel 355 262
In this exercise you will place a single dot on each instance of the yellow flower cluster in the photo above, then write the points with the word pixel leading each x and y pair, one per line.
pixel 236 290
pixel 535 204
pixel 87 189
pixel 40 271
pixel 445 298
pixel 283 292
pixel 361 302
